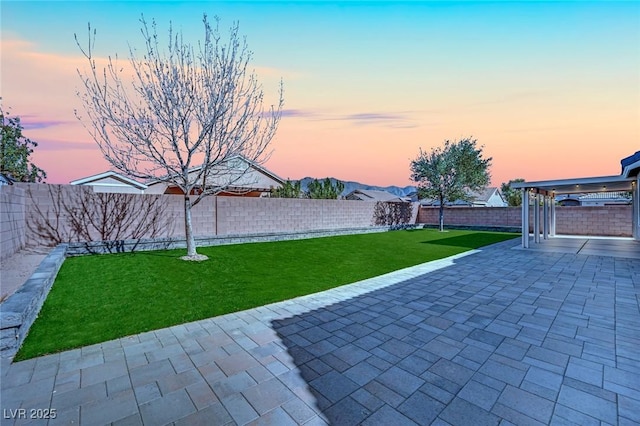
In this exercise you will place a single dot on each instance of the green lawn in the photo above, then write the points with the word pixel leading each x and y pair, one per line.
pixel 99 298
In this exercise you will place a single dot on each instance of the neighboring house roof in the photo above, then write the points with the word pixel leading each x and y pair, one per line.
pixel 375 195
pixel 5 179
pixel 489 197
pixel 107 179
pixel 611 197
pixel 563 197
pixel 236 157
pixel 486 194
pixel 606 196
pixel 243 180
pixel 262 170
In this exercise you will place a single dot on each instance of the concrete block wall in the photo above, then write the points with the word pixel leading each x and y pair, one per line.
pixel 484 216
pixel 598 220
pixel 41 202
pixel 212 216
pixel 202 216
pixel 220 216
pixel 12 220
pixel 242 215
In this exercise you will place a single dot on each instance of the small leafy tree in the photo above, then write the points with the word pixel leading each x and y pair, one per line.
pixel 451 172
pixel 325 189
pixel 290 189
pixel 512 196
pixel 15 151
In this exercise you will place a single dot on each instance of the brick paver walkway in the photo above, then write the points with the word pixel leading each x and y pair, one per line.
pixel 499 335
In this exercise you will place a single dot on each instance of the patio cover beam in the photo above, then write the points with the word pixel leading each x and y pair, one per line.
pixel 578 185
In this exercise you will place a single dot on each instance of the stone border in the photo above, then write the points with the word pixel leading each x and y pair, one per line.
pixel 100 247
pixel 21 309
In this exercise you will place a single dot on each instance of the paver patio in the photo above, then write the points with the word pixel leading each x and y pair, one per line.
pixel 500 334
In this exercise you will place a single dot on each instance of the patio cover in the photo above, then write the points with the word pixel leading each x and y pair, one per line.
pixel 545 191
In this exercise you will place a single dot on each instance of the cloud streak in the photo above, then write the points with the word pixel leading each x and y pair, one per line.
pixel 296 113
pixel 50 145
pixel 394 120
pixel 33 123
pixel 402 120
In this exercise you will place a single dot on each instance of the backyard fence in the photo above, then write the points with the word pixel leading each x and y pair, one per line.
pixel 596 220
pixel 44 215
pixel 12 220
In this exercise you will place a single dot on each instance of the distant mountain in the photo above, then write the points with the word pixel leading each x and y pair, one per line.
pixel 349 186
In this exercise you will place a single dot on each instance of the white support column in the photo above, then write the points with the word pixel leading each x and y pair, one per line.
pixel 536 219
pixel 552 231
pixel 545 218
pixel 525 218
pixel 635 213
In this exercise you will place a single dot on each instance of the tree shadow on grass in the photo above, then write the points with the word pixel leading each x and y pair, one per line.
pixel 469 241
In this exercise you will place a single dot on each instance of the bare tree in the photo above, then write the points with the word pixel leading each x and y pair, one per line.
pixel 187 113
pixel 83 215
pixel 393 213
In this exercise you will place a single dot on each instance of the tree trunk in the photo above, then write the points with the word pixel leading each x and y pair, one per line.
pixel 191 241
pixel 441 217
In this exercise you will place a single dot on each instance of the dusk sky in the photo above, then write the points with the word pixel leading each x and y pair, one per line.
pixel 552 90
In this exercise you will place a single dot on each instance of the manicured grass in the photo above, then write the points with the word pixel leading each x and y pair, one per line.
pixel 99 298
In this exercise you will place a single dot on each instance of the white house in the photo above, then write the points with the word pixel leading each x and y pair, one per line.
pixel 236 177
pixel 489 197
pixel 111 182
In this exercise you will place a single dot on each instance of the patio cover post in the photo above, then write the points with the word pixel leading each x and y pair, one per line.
pixel 536 219
pixel 545 218
pixel 525 218
pixel 635 211
pixel 552 231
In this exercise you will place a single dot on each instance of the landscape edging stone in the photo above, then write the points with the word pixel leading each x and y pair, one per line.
pixel 21 309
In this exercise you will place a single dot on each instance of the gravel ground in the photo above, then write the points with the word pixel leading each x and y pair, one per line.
pixel 17 269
